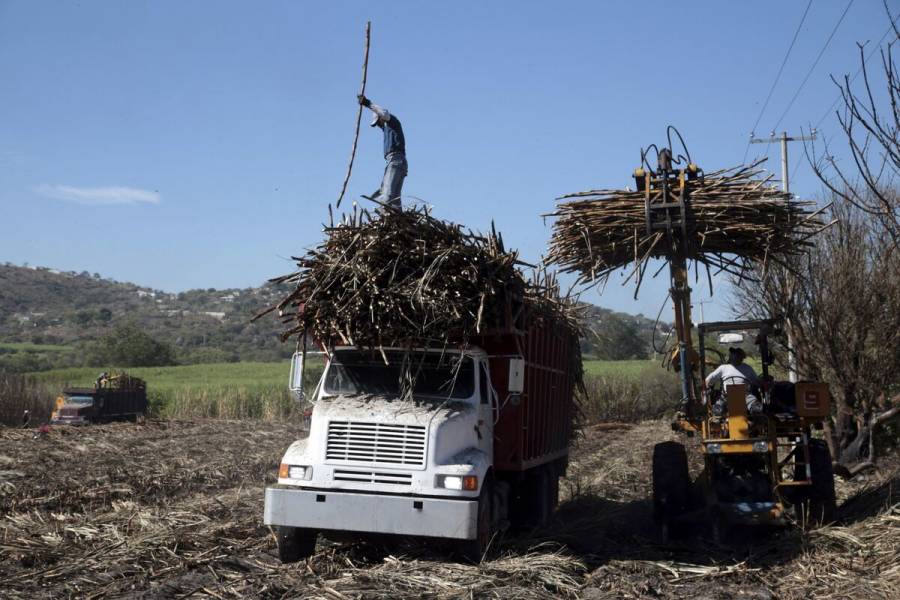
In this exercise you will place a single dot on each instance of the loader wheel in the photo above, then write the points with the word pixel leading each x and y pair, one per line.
pixel 473 550
pixel 671 483
pixel 818 504
pixel 295 543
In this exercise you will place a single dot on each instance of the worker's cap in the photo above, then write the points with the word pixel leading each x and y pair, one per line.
pixel 734 351
pixel 374 121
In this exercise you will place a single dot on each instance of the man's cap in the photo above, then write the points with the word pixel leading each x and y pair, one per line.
pixel 374 121
pixel 738 351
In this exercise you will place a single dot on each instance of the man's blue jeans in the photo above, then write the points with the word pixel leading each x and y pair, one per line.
pixel 392 184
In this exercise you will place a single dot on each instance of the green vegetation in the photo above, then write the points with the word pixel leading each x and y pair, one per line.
pixel 629 395
pixel 628 390
pixel 40 306
pixel 617 390
pixel 128 345
pixel 218 375
pixel 224 390
pixel 629 368
pixel 20 357
pixel 30 347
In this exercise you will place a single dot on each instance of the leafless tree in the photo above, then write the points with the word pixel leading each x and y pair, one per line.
pixel 842 300
pixel 869 117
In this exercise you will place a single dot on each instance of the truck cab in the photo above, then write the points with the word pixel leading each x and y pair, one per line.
pixel 75 407
pixel 116 397
pixel 400 442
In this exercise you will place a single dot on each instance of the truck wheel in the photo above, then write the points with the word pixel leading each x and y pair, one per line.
pixel 295 543
pixel 473 550
pixel 817 505
pixel 671 483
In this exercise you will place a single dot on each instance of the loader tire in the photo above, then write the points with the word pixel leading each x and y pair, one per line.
pixel 671 482
pixel 818 504
pixel 295 543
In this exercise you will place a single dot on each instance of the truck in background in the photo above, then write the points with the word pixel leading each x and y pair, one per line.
pixel 477 444
pixel 116 397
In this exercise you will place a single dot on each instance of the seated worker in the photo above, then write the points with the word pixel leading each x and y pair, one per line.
pixel 737 373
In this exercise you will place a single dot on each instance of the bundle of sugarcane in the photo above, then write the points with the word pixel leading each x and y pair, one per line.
pixel 735 219
pixel 395 276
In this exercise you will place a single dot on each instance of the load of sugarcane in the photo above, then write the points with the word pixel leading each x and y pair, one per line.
pixel 394 277
pixel 736 219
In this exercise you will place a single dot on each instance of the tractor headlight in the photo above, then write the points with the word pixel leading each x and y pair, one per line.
pixel 761 446
pixel 301 472
pixel 714 448
pixel 468 483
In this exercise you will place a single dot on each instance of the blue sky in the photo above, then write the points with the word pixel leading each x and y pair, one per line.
pixel 197 144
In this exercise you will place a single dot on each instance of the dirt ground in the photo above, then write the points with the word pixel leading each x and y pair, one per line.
pixel 172 509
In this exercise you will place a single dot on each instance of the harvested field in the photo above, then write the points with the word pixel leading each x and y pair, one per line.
pixel 174 509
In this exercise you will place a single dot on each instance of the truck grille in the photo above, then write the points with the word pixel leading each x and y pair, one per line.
pixel 391 444
pixel 373 477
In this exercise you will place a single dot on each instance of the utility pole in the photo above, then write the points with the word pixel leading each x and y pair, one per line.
pixel 701 303
pixel 785 185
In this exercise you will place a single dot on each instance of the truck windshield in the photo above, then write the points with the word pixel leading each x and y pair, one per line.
pixel 79 400
pixel 446 375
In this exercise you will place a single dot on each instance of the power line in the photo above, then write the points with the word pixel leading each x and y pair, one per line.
pixel 777 77
pixel 813 67
pixel 858 71
pixel 839 96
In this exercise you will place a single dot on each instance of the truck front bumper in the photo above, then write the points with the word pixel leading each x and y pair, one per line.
pixel 70 421
pixel 372 513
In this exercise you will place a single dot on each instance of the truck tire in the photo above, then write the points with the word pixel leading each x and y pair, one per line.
pixel 295 543
pixel 671 483
pixel 817 505
pixel 473 550
pixel 541 493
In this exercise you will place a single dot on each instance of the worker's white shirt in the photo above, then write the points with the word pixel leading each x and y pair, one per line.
pixel 728 374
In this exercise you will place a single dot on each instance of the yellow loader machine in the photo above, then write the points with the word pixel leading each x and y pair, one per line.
pixel 757 463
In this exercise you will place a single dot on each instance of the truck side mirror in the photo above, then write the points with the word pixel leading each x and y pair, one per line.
pixel 516 375
pixel 295 382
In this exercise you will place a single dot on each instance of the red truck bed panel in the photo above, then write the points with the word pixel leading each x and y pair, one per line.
pixel 535 428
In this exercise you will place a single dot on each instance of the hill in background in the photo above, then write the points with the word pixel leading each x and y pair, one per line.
pixel 49 318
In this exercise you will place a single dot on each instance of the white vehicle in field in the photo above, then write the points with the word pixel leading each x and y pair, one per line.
pixel 478 442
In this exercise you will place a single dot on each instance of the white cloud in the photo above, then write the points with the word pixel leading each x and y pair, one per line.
pixel 98 195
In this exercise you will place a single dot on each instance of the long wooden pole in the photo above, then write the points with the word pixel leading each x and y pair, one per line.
pixel 362 92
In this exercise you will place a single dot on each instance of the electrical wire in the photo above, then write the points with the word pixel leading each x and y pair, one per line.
pixel 777 78
pixel 813 67
pixel 827 113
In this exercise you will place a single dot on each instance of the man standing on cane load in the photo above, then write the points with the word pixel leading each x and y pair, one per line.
pixel 394 154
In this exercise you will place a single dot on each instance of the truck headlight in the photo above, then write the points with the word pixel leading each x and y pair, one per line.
pixel 302 472
pixel 714 448
pixel 458 482
pixel 760 446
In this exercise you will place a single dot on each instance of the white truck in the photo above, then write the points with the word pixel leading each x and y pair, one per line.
pixel 479 443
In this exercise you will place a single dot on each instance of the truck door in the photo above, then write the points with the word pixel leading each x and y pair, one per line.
pixel 487 408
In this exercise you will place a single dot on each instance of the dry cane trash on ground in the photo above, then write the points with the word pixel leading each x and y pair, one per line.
pixel 173 509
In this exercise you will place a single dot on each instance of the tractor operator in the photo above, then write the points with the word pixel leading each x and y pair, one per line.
pixel 394 153
pixel 736 372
